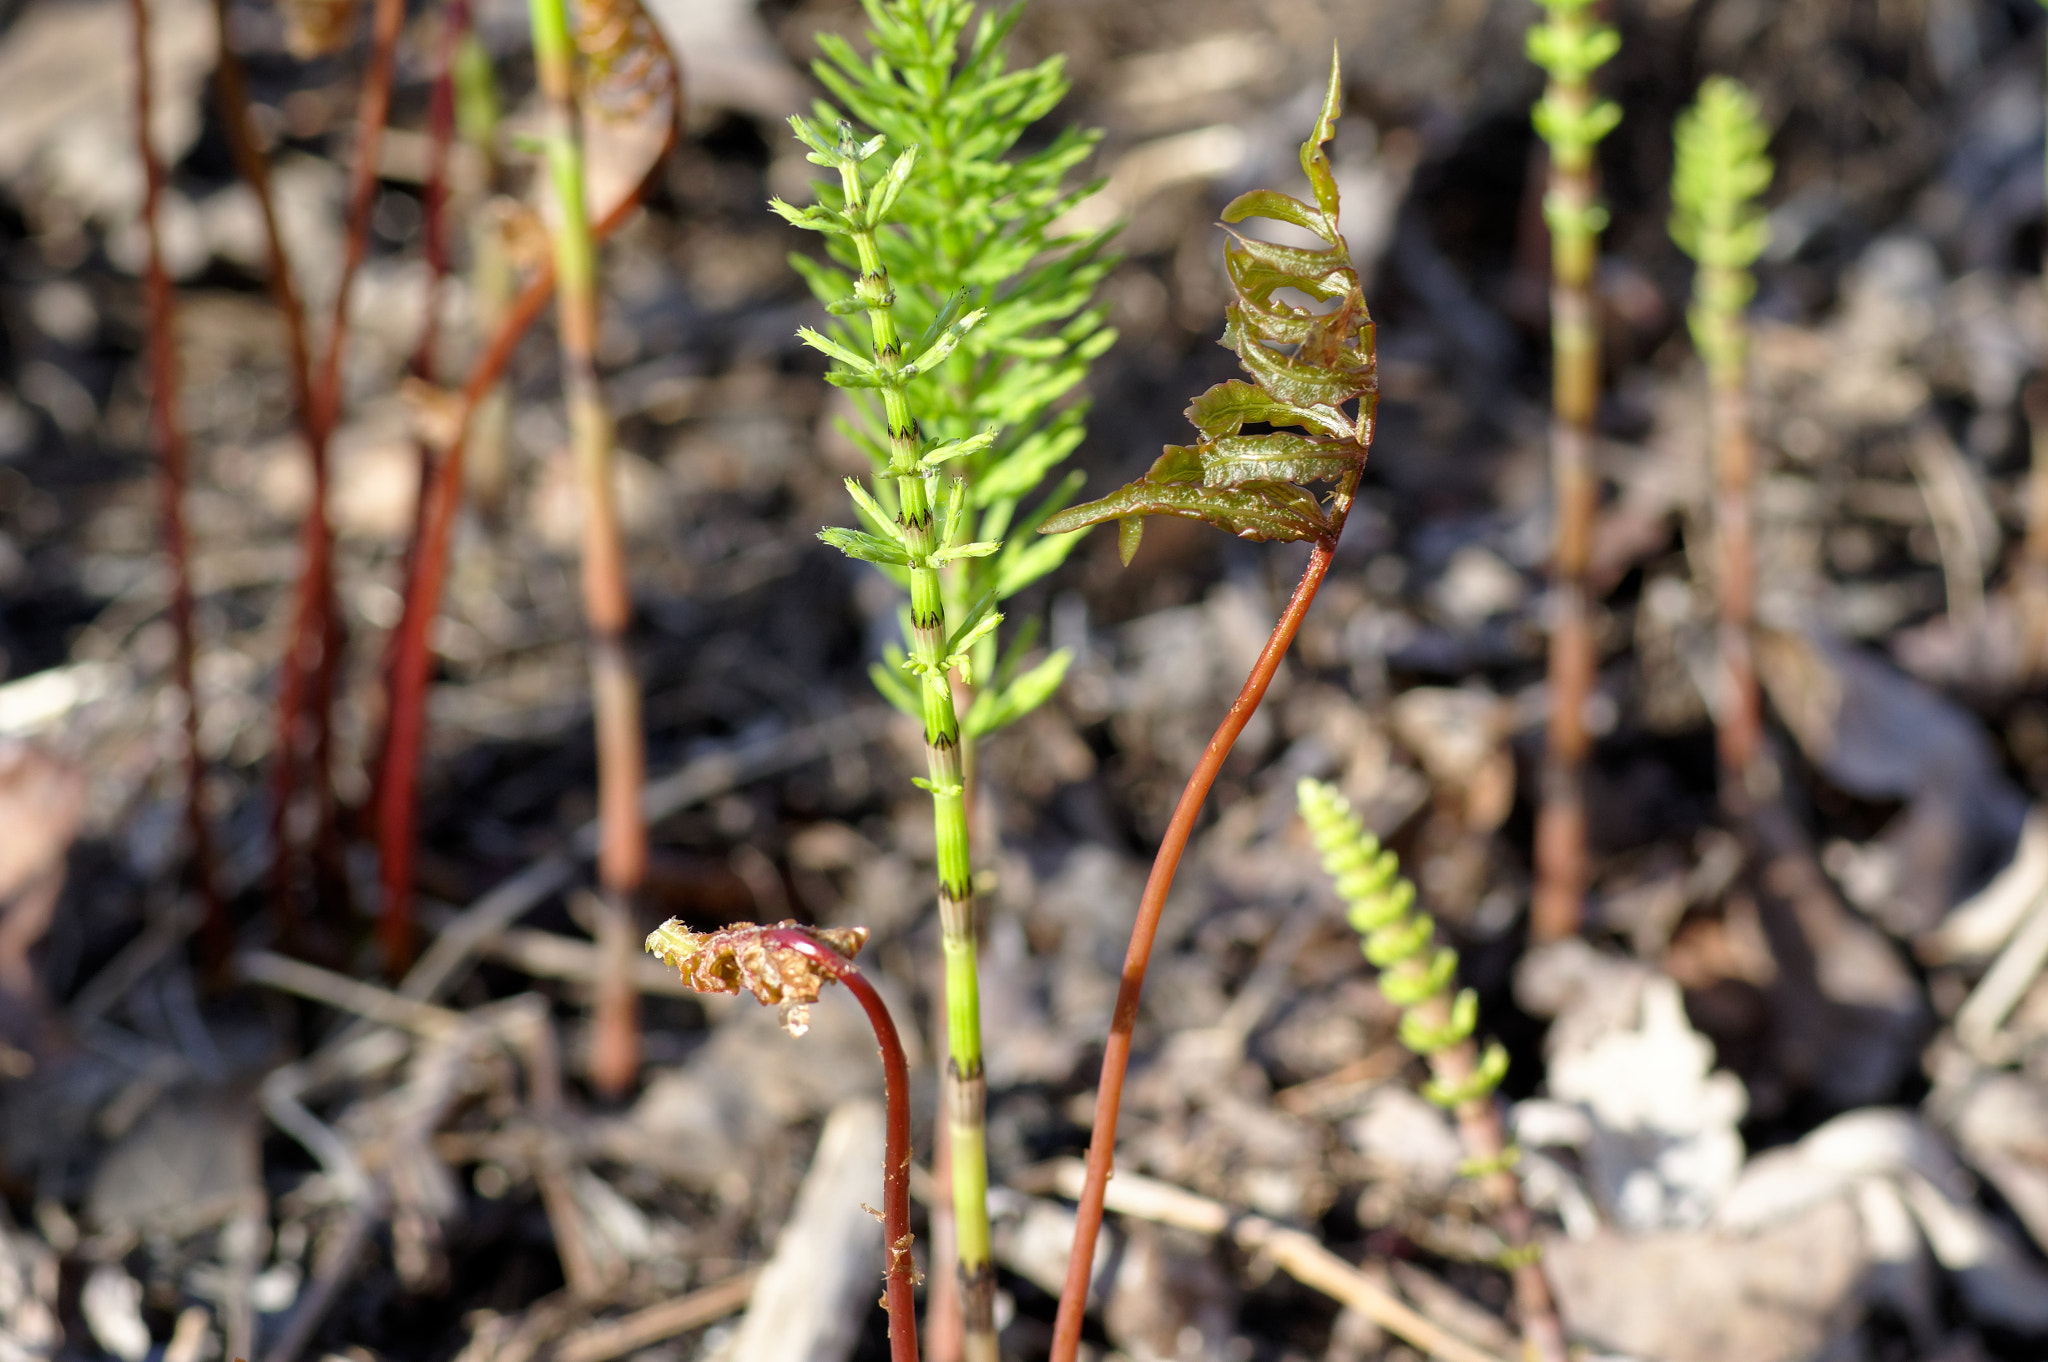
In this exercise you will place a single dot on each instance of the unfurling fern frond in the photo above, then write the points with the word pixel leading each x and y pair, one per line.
pixel 1416 974
pixel 1306 363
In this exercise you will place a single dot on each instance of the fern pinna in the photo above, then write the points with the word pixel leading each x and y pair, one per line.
pixel 1254 484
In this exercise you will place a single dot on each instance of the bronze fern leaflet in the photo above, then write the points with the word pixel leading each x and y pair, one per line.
pixel 1305 366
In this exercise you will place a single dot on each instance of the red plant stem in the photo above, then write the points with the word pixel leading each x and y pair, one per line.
pixel 232 91
pixel 434 250
pixel 174 472
pixel 434 193
pixel 900 1299
pixel 312 654
pixel 1739 733
pixel 412 658
pixel 1116 1055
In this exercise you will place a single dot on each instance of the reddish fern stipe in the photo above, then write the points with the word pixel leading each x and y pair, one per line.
pixel 788 965
pixel 1304 365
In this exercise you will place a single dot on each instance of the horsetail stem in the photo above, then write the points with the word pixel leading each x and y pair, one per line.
pixel 921 541
pixel 622 849
pixel 985 218
pixel 1719 170
pixel 1570 45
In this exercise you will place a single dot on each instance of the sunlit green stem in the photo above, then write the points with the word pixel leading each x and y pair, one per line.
pixel 966 1090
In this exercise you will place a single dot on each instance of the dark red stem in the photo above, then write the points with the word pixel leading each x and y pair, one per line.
pixel 234 101
pixel 1116 1055
pixel 900 1298
pixel 174 468
pixel 434 250
pixel 434 193
pixel 312 656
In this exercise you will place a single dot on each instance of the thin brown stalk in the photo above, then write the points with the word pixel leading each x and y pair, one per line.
pixel 174 472
pixel 607 601
pixel 434 192
pixel 319 661
pixel 1570 44
pixel 231 89
pixel 1116 1054
pixel 310 664
pixel 1739 725
pixel 232 92
pixel 1561 857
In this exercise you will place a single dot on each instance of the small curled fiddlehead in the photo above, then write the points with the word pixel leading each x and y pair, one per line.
pixel 772 963
pixel 1416 973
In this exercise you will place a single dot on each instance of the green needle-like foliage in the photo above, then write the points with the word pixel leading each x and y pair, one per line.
pixel 1416 974
pixel 974 227
pixel 1721 171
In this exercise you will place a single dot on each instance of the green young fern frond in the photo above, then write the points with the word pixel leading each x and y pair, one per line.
pixel 1719 172
pixel 976 226
pixel 1305 366
pixel 1416 974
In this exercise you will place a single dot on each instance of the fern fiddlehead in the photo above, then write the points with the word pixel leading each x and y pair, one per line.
pixel 1416 971
pixel 1307 364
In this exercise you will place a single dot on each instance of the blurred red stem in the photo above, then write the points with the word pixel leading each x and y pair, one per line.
pixel 312 655
pixel 434 193
pixel 434 250
pixel 232 90
pixel 1116 1055
pixel 900 1300
pixel 174 471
